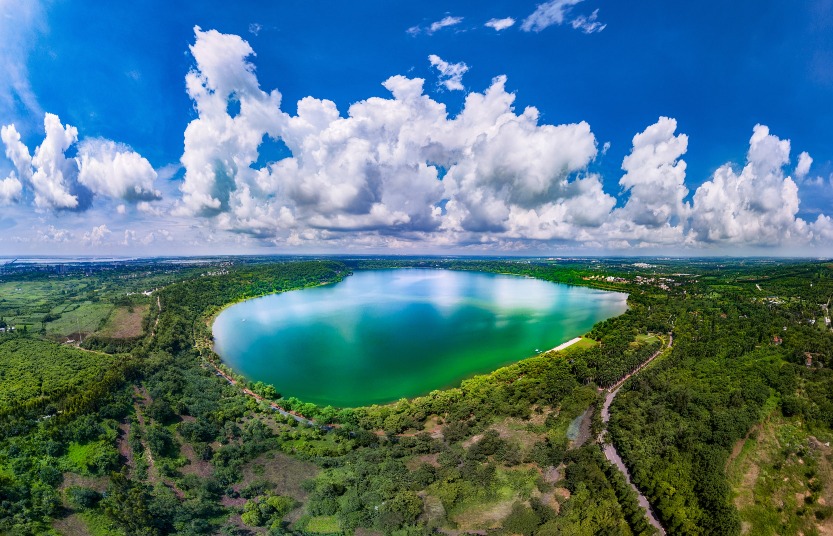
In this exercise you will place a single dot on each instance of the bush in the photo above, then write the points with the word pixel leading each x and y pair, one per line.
pixel 83 497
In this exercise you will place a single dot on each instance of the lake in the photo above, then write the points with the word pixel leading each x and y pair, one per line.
pixel 382 335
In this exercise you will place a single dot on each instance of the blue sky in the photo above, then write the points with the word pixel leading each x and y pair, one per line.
pixel 120 176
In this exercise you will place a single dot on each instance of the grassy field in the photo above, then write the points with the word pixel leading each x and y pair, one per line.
pixel 26 302
pixel 323 525
pixel 782 478
pixel 287 474
pixel 125 322
pixel 647 339
pixel 85 318
pixel 583 344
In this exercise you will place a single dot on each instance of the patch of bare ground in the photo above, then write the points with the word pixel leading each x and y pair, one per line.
pixel 738 446
pixel 287 474
pixel 367 532
pixel 232 502
pixel 746 497
pixel 518 432
pixel 553 474
pixel 550 499
pixel 433 425
pixel 472 440
pixel 124 447
pixel 195 465
pixel 417 461
pixel 125 322
pixel 235 520
pixel 142 393
pixel 70 525
pixel 483 517
pixel 584 429
pixel 98 483
pixel 564 493
pixel 539 415
pixel 745 494
pixel 433 509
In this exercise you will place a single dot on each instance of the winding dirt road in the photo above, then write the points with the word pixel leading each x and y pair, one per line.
pixel 610 451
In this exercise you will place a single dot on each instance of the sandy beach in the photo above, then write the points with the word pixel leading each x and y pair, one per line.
pixel 566 344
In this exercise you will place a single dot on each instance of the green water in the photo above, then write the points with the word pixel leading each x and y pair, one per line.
pixel 387 334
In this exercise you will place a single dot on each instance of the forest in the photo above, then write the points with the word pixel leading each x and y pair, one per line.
pixel 129 423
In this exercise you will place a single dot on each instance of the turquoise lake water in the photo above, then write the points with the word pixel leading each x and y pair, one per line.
pixel 382 335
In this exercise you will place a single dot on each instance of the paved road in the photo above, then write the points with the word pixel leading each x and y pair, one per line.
pixel 610 451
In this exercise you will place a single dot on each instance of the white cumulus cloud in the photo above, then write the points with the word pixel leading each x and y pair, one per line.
pixel 217 145
pixel 54 234
pixel 756 205
pixel 97 235
pixel 102 167
pixel 451 74
pixel 49 172
pixel 113 169
pixel 803 166
pixel 655 180
pixel 10 189
pixel 392 166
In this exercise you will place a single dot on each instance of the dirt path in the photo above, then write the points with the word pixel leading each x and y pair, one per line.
pixel 298 417
pixel 141 401
pixel 158 314
pixel 610 450
pixel 140 418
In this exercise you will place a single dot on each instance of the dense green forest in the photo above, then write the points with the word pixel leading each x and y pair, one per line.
pixel 127 423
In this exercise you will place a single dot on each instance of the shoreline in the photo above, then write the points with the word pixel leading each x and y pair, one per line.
pixel 564 345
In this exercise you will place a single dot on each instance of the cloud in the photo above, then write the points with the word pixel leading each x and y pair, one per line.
pixel 217 145
pixel 54 235
pixel 451 74
pixel 803 166
pixel 396 166
pixel 49 172
pixel 102 168
pixel 19 24
pixel 436 26
pixel 96 236
pixel 588 24
pixel 445 22
pixel 500 24
pixel 10 189
pixel 515 174
pixel 113 169
pixel 756 206
pixel 395 172
pixel 655 179
pixel 548 14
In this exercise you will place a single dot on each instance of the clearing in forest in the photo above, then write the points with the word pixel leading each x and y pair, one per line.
pixel 125 322
pixel 782 478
